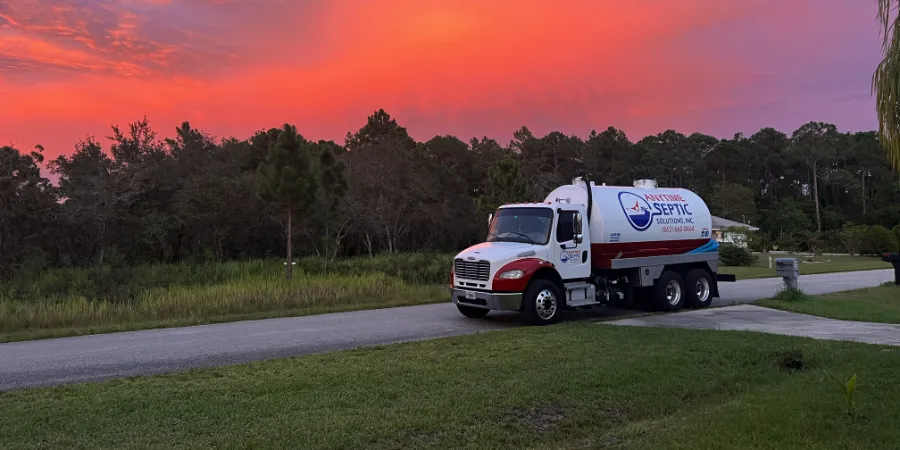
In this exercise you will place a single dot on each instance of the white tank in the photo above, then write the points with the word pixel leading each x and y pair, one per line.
pixel 642 214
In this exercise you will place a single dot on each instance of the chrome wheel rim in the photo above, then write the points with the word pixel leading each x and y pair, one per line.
pixel 545 304
pixel 673 292
pixel 702 290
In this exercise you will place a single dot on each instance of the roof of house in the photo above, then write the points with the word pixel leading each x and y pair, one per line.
pixel 719 223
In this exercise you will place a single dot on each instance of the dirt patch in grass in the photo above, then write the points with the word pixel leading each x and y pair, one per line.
pixel 418 439
pixel 613 416
pixel 791 361
pixel 539 419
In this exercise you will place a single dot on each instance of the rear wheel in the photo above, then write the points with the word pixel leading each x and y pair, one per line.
pixel 698 283
pixel 473 313
pixel 669 291
pixel 542 303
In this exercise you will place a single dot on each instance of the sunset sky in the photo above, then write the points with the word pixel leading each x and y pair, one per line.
pixel 71 68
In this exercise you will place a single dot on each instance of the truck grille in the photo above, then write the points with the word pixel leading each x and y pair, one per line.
pixel 472 270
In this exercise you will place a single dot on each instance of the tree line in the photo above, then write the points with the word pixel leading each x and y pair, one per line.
pixel 192 197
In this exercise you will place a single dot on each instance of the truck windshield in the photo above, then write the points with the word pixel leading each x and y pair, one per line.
pixel 526 225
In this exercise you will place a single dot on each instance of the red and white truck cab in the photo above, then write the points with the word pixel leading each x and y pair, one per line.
pixel 589 245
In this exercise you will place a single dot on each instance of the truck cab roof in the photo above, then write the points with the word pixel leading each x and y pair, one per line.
pixel 524 205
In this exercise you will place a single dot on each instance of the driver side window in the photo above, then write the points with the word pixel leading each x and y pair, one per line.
pixel 565 227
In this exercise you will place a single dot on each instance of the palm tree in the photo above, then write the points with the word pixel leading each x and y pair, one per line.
pixel 886 82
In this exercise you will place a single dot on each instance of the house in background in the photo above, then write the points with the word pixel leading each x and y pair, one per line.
pixel 721 233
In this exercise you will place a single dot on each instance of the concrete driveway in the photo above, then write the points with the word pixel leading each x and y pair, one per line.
pixel 766 320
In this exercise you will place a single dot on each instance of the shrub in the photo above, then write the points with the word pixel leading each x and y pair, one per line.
pixel 896 231
pixel 815 244
pixel 877 240
pixel 732 255
pixel 852 237
pixel 785 241
pixel 791 295
pixel 760 242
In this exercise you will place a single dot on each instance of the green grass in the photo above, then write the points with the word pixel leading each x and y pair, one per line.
pixel 81 301
pixel 822 264
pixel 572 386
pixel 878 304
pixel 119 284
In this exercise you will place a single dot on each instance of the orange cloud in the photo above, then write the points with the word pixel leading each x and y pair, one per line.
pixel 462 67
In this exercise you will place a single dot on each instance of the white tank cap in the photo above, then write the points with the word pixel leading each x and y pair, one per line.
pixel 646 184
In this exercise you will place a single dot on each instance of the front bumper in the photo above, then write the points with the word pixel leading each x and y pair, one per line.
pixel 487 300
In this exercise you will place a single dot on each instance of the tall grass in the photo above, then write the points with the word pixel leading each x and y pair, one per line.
pixel 72 301
pixel 197 304
pixel 416 268
pixel 123 284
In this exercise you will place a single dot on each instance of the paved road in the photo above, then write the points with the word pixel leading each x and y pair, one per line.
pixel 766 320
pixel 98 357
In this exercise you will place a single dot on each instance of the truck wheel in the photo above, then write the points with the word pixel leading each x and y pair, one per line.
pixel 472 313
pixel 669 291
pixel 542 303
pixel 698 283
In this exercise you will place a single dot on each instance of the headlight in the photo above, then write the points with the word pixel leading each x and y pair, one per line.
pixel 511 275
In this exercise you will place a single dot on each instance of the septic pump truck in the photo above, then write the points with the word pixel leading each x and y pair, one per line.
pixel 588 245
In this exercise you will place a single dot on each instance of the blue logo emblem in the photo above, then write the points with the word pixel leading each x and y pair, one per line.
pixel 564 256
pixel 637 210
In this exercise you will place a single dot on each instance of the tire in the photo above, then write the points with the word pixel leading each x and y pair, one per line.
pixel 473 313
pixel 669 292
pixel 542 303
pixel 698 288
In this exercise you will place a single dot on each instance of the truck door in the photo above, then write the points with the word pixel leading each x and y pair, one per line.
pixel 572 244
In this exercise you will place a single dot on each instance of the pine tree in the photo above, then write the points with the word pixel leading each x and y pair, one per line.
pixel 287 180
pixel 505 185
pixel 332 189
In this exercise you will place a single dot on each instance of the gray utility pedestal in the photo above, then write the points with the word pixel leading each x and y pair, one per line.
pixel 789 270
pixel 894 258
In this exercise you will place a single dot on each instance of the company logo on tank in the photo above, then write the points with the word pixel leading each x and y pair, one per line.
pixel 671 211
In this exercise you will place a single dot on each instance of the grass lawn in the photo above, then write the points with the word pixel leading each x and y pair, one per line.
pixel 571 386
pixel 877 304
pixel 822 264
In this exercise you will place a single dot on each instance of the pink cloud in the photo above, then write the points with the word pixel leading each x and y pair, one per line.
pixel 463 67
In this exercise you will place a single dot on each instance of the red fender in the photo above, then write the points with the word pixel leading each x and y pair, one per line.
pixel 527 265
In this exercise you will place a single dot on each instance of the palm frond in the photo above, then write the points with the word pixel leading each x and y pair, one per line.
pixel 886 82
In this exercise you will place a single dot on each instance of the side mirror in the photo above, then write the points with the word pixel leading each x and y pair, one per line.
pixel 490 219
pixel 576 223
pixel 579 238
